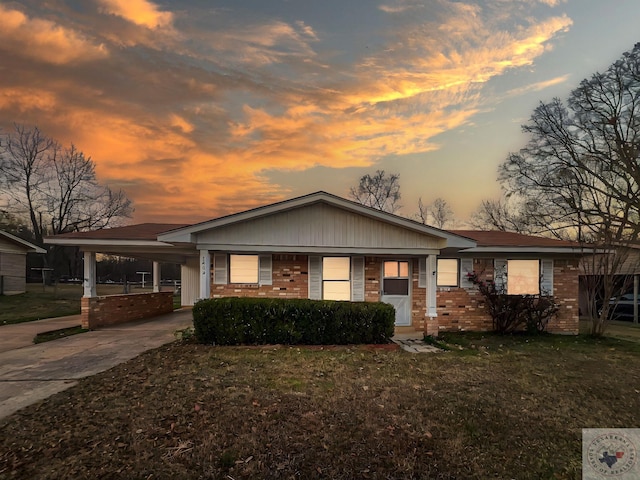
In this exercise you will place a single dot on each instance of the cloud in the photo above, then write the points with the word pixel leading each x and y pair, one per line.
pixel 535 87
pixel 139 12
pixel 44 40
pixel 194 122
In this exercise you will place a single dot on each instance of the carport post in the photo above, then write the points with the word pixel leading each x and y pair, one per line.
pixel 89 277
pixel 156 277
pixel 205 274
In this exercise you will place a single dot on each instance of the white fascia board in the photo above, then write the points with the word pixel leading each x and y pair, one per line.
pixel 537 250
pixel 317 250
pixel 30 246
pixel 186 234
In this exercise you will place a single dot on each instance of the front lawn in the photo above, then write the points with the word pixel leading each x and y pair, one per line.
pixel 502 407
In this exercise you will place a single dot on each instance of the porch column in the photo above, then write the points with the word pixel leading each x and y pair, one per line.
pixel 431 286
pixel 89 275
pixel 156 277
pixel 205 274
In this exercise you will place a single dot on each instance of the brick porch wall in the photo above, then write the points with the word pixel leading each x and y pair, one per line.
pixel 116 309
pixel 461 309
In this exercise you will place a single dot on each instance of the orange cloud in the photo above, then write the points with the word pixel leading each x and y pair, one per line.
pixel 195 125
pixel 44 40
pixel 140 12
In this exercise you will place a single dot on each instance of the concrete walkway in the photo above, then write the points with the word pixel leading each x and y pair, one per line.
pixel 33 372
pixel 412 343
pixel 21 334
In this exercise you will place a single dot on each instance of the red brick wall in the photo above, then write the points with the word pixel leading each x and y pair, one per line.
pixel 457 308
pixel 290 280
pixel 116 309
pixel 462 309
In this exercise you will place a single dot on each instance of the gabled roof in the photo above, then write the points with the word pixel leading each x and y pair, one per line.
pixel 186 234
pixel 27 246
pixel 494 241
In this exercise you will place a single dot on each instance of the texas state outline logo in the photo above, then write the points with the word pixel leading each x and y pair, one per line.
pixel 610 453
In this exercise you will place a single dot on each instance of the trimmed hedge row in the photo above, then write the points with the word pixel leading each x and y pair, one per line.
pixel 260 321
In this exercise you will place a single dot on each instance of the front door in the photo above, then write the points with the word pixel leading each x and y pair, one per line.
pixel 395 289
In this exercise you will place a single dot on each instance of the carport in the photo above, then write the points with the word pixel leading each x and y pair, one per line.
pixel 136 241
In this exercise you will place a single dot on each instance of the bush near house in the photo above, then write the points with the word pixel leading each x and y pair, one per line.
pixel 512 313
pixel 260 321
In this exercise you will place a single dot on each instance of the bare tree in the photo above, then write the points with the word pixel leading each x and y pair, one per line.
pixel 581 167
pixel 54 188
pixel 503 214
pixel 438 213
pixel 380 191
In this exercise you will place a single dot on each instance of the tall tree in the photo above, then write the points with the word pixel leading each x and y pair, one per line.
pixel 380 191
pixel 54 189
pixel 438 213
pixel 581 166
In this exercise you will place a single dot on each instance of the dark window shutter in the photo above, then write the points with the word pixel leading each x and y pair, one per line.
pixel 546 277
pixel 500 274
pixel 466 267
pixel 357 279
pixel 220 269
pixel 265 276
pixel 315 277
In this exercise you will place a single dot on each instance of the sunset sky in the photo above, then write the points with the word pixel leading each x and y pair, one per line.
pixel 201 108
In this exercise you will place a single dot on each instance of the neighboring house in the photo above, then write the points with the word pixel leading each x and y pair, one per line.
pixel 321 246
pixel 13 263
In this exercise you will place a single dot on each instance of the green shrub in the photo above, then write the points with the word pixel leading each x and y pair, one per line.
pixel 259 321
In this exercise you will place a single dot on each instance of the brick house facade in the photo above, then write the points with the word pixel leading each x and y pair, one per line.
pixel 320 246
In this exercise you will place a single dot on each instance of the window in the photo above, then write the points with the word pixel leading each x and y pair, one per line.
pixel 396 269
pixel 447 272
pixel 336 278
pixel 396 278
pixel 523 277
pixel 243 268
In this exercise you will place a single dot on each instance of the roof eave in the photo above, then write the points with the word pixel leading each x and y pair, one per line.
pixel 529 249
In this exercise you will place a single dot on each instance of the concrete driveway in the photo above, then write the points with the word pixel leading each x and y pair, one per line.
pixel 29 373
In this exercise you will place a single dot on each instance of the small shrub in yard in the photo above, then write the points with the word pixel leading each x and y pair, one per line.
pixel 511 313
pixel 260 321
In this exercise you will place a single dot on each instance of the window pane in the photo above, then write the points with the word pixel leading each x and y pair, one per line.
pixel 390 269
pixel 447 272
pixel 335 268
pixel 243 268
pixel 523 277
pixel 336 290
pixel 403 267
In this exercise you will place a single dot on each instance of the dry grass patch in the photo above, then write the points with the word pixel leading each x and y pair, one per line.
pixel 499 408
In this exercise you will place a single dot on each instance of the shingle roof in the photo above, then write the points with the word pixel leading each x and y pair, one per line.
pixel 141 231
pixel 495 238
